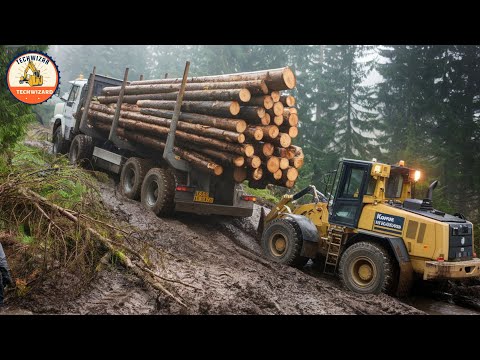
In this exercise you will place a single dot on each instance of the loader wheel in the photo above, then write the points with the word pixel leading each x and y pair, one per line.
pixel 132 176
pixel 282 242
pixel 81 150
pixel 158 191
pixel 367 268
pixel 60 145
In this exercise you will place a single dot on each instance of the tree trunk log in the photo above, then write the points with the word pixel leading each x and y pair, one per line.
pixel 273 163
pixel 292 131
pixel 283 140
pixel 254 162
pixel 287 100
pixel 289 174
pixel 254 133
pixel 134 125
pixel 255 174
pixel 276 79
pixel 290 118
pixel 266 101
pixel 195 159
pixel 270 131
pixel 289 152
pixel 216 108
pixel 264 149
pixel 198 129
pixel 225 158
pixel 216 122
pixel 251 114
pixel 241 95
pixel 254 87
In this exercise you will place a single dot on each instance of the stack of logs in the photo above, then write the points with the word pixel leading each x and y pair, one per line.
pixel 238 120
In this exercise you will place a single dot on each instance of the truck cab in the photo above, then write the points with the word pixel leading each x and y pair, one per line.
pixel 63 119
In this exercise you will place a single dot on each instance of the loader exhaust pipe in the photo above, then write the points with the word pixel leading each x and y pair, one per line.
pixel 432 187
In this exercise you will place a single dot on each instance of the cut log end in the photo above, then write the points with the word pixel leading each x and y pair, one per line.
pixel 293 120
pixel 289 78
pixel 277 175
pixel 241 138
pixel 272 131
pixel 267 102
pixel 260 112
pixel 241 126
pixel 275 96
pixel 273 164
pixel 284 163
pixel 293 132
pixel 244 95
pixel 290 100
pixel 278 120
pixel 217 169
pixel 289 184
pixel 257 174
pixel 234 108
pixel 258 134
pixel 278 108
pixel 239 161
pixel 285 140
pixel 291 174
pixel 266 119
pixel 254 162
pixel 249 150
pixel 268 149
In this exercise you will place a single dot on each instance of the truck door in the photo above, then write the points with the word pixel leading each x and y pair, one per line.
pixel 71 105
pixel 347 204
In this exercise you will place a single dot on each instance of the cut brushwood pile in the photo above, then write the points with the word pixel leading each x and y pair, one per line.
pixel 243 121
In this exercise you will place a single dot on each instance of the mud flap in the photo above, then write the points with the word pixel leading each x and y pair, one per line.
pixel 261 224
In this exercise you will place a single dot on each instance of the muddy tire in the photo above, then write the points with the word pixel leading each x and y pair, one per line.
pixel 131 178
pixel 367 268
pixel 282 242
pixel 60 145
pixel 158 191
pixel 81 150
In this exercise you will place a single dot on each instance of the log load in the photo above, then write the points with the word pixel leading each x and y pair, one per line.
pixel 240 122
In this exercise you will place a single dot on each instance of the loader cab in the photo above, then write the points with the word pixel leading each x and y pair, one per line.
pixel 353 182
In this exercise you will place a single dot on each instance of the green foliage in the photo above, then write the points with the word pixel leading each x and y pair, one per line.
pixel 14 115
pixel 265 194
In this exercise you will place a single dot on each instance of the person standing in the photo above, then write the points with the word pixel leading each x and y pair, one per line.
pixel 5 278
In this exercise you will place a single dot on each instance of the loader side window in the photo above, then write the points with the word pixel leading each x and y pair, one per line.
pixel 353 183
pixel 394 186
pixel 73 94
pixel 372 183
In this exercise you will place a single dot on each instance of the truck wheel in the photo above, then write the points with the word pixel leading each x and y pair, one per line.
pixel 132 176
pixel 158 191
pixel 367 268
pixel 282 242
pixel 81 149
pixel 60 145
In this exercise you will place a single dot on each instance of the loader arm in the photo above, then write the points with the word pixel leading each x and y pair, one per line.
pixel 30 66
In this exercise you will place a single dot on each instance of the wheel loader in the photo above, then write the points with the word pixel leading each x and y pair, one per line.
pixel 371 231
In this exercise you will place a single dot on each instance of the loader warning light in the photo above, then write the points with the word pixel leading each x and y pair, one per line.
pixel 441 258
pixel 249 198
pixel 184 188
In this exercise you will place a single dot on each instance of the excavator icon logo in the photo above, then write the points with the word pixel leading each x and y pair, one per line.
pixel 33 77
pixel 33 80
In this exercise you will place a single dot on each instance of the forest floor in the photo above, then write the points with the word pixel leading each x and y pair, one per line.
pixel 221 258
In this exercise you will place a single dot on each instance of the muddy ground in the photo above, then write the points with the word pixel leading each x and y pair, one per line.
pixel 220 257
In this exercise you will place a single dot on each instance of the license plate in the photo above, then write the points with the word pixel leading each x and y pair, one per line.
pixel 202 196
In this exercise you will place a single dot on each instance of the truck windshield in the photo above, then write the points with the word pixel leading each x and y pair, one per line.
pixel 394 186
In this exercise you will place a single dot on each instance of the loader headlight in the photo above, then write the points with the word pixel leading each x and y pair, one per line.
pixel 417 175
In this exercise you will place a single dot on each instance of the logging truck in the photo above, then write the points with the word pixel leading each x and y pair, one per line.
pixel 161 179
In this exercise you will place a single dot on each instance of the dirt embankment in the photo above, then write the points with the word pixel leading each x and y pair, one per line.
pixel 221 258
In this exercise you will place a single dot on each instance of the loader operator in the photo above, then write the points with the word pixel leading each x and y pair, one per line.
pixel 5 278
